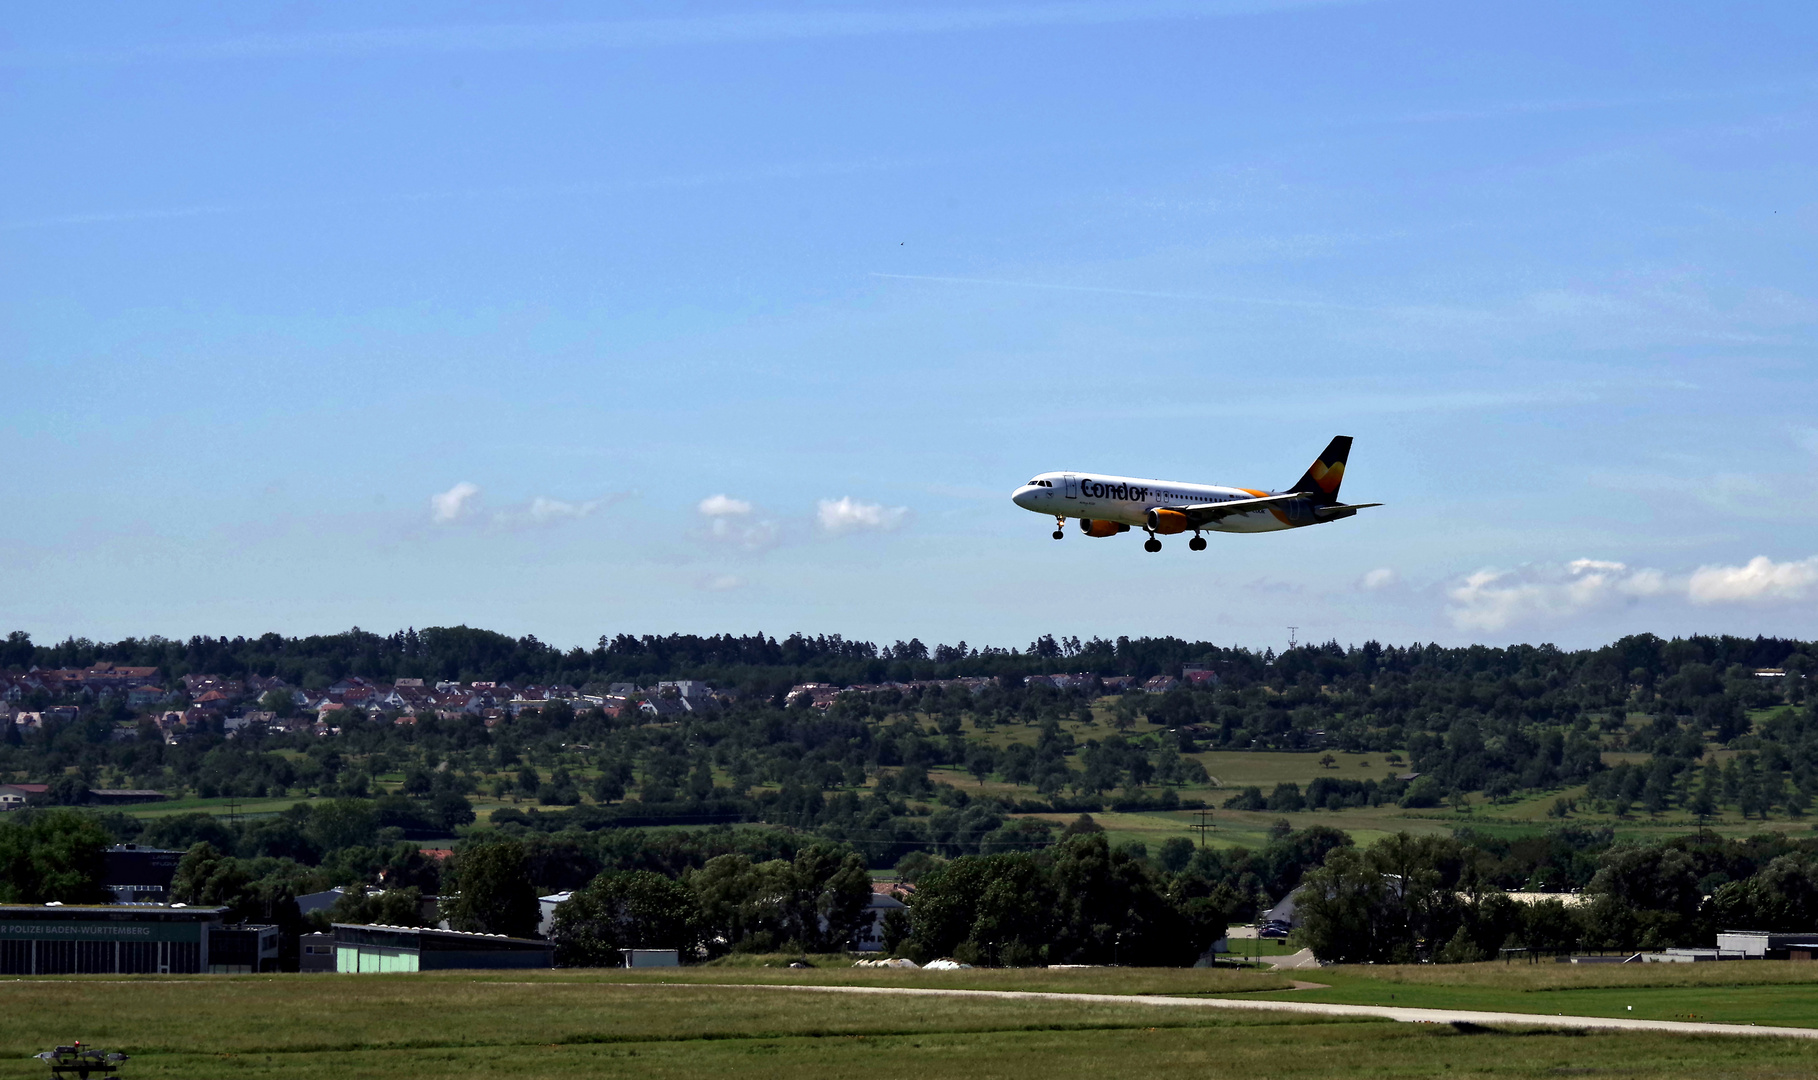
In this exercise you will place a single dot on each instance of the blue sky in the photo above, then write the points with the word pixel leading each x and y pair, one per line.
pixel 587 319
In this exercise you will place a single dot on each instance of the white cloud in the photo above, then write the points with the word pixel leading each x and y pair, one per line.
pixel 1494 599
pixel 1380 578
pixel 451 504
pixel 729 521
pixel 847 514
pixel 722 582
pixel 754 536
pixel 543 510
pixel 724 506
pixel 1807 438
pixel 546 509
pixel 1760 580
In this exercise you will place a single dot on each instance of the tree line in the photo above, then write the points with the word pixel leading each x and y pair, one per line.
pixel 1442 899
pixel 1689 674
pixel 860 770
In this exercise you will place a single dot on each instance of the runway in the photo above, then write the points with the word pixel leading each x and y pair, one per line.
pixel 1315 1008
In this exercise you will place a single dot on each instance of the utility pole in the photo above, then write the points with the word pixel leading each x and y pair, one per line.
pixel 1292 630
pixel 1204 823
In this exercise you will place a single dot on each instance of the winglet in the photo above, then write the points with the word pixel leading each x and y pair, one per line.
pixel 1321 480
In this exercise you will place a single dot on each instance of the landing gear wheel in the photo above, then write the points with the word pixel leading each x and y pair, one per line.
pixel 1152 546
pixel 1198 543
pixel 1058 534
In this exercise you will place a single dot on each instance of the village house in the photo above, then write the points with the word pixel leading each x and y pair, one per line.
pixel 664 707
pixel 141 697
pixel 16 796
pixel 819 695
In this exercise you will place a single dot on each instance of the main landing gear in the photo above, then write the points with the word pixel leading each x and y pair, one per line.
pixel 1060 523
pixel 1198 543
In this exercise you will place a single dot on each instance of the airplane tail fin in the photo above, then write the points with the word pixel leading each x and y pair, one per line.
pixel 1321 480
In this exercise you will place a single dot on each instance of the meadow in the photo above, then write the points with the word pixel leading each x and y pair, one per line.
pixel 1743 992
pixel 691 1023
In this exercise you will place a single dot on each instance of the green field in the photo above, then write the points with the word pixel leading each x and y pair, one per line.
pixel 1230 770
pixel 217 807
pixel 1741 992
pixel 678 1023
pixel 1233 770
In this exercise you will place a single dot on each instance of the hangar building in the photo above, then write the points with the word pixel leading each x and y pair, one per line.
pixel 420 948
pixel 113 939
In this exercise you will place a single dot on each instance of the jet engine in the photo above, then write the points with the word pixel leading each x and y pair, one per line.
pixel 1168 522
pixel 1101 528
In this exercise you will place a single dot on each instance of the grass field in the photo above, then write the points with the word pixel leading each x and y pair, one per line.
pixel 677 1024
pixel 217 807
pixel 1233 770
pixel 1760 992
pixel 1749 992
pixel 1230 771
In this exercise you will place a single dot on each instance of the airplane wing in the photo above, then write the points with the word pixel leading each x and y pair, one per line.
pixel 1206 513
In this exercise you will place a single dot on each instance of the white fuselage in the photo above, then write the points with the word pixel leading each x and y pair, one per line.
pixel 1128 500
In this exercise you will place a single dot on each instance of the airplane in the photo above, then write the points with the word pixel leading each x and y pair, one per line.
pixel 1108 505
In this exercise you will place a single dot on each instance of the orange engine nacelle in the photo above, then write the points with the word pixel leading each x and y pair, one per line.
pixel 1168 522
pixel 1101 528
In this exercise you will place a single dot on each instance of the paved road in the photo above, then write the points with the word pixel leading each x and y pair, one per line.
pixel 1386 1012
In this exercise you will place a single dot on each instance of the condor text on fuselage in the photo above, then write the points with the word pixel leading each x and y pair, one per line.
pixel 1109 505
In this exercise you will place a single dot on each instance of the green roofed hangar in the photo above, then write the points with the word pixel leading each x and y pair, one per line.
pixel 417 948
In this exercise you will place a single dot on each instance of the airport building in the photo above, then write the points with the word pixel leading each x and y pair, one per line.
pixel 139 874
pixel 243 949
pixel 1760 945
pixel 116 939
pixel 420 948
pixel 316 953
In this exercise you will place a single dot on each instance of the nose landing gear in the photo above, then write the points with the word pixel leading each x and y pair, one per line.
pixel 1060 523
pixel 1198 543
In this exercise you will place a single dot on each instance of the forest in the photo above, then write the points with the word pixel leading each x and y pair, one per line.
pixel 1476 721
pixel 938 780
